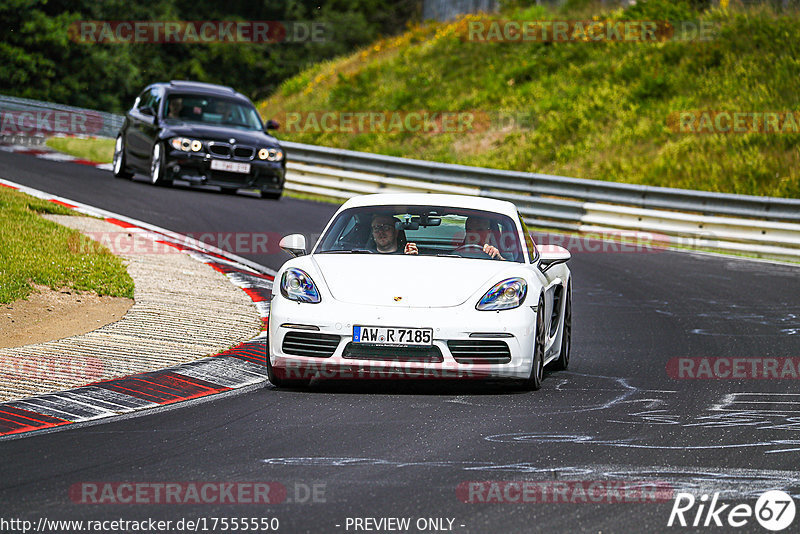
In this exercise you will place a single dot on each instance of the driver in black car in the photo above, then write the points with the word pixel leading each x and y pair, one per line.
pixel 478 230
pixel 385 234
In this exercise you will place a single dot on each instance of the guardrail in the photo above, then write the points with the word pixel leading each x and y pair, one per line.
pixel 761 226
pixel 32 118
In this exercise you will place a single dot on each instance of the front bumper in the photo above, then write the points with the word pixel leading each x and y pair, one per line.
pixel 453 328
pixel 265 175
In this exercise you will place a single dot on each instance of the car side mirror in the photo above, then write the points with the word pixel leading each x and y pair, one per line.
pixel 147 110
pixel 272 125
pixel 550 255
pixel 294 244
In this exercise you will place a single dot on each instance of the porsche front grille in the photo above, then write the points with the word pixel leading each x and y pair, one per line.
pixel 479 351
pixel 310 344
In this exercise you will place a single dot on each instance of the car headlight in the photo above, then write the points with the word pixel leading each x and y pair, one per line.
pixel 186 144
pixel 270 154
pixel 297 285
pixel 504 295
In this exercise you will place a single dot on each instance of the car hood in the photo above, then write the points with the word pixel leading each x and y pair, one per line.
pixel 406 281
pixel 219 133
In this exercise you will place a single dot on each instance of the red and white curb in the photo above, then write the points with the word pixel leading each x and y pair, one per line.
pixel 241 366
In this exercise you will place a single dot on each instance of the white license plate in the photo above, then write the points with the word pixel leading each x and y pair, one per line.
pixel 230 166
pixel 380 335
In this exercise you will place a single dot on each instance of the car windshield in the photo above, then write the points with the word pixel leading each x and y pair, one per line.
pixel 212 110
pixel 435 230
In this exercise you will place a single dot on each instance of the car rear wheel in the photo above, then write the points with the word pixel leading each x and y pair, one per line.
pixel 566 336
pixel 157 166
pixel 119 160
pixel 534 381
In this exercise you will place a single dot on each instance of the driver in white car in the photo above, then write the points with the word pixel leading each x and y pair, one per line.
pixel 478 230
pixel 385 234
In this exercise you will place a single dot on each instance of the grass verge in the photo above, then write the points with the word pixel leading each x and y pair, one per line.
pixel 34 250
pixel 90 149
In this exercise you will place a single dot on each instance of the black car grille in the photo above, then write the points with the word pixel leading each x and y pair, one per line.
pixel 219 149
pixel 479 351
pixel 243 152
pixel 359 351
pixel 310 344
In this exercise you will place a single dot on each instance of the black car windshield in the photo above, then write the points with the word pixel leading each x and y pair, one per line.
pixel 435 230
pixel 212 110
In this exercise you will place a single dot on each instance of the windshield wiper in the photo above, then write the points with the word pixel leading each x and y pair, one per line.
pixel 448 256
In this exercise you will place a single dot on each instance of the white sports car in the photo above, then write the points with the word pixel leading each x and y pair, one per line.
pixel 420 286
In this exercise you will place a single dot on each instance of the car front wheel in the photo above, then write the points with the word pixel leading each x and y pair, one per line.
pixel 119 160
pixel 534 381
pixel 157 166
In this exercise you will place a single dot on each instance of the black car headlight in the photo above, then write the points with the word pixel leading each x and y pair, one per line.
pixel 270 154
pixel 186 144
pixel 505 295
pixel 298 286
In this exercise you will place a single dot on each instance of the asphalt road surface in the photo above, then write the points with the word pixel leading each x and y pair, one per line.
pixel 351 455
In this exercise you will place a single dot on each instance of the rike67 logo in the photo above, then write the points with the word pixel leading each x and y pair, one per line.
pixel 774 510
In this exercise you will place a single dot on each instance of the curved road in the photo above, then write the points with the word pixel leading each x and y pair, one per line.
pixel 379 450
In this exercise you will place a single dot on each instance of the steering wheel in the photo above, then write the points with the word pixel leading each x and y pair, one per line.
pixel 469 249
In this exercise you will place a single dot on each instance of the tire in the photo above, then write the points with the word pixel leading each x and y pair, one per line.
pixel 281 382
pixel 157 166
pixel 271 196
pixel 118 163
pixel 562 362
pixel 534 381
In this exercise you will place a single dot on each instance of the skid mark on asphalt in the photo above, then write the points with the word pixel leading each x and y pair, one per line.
pixel 763 413
pixel 618 387
pixel 729 482
pixel 630 442
pixel 760 411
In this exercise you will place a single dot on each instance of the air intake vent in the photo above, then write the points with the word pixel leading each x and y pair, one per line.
pixel 310 344
pixel 559 292
pixel 357 351
pixel 481 351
